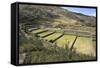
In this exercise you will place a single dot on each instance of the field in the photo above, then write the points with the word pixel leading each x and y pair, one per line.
pixel 65 40
pixel 47 45
pixel 53 36
pixel 36 31
pixel 45 33
pixel 82 45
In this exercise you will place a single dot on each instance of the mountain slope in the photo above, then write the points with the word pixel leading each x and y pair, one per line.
pixel 53 16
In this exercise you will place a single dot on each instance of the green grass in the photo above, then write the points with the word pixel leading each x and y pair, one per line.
pixel 66 39
pixel 44 33
pixel 36 31
pixel 53 36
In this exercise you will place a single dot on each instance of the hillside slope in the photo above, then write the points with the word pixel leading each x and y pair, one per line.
pixel 53 16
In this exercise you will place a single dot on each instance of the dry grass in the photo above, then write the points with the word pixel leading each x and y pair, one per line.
pixel 85 46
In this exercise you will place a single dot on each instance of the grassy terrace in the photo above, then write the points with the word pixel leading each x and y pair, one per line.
pixel 45 33
pixel 39 50
pixel 65 40
pixel 53 36
pixel 36 31
pixel 84 45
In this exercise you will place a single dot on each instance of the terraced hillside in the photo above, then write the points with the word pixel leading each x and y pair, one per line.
pixel 83 44
pixel 55 34
pixel 53 16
